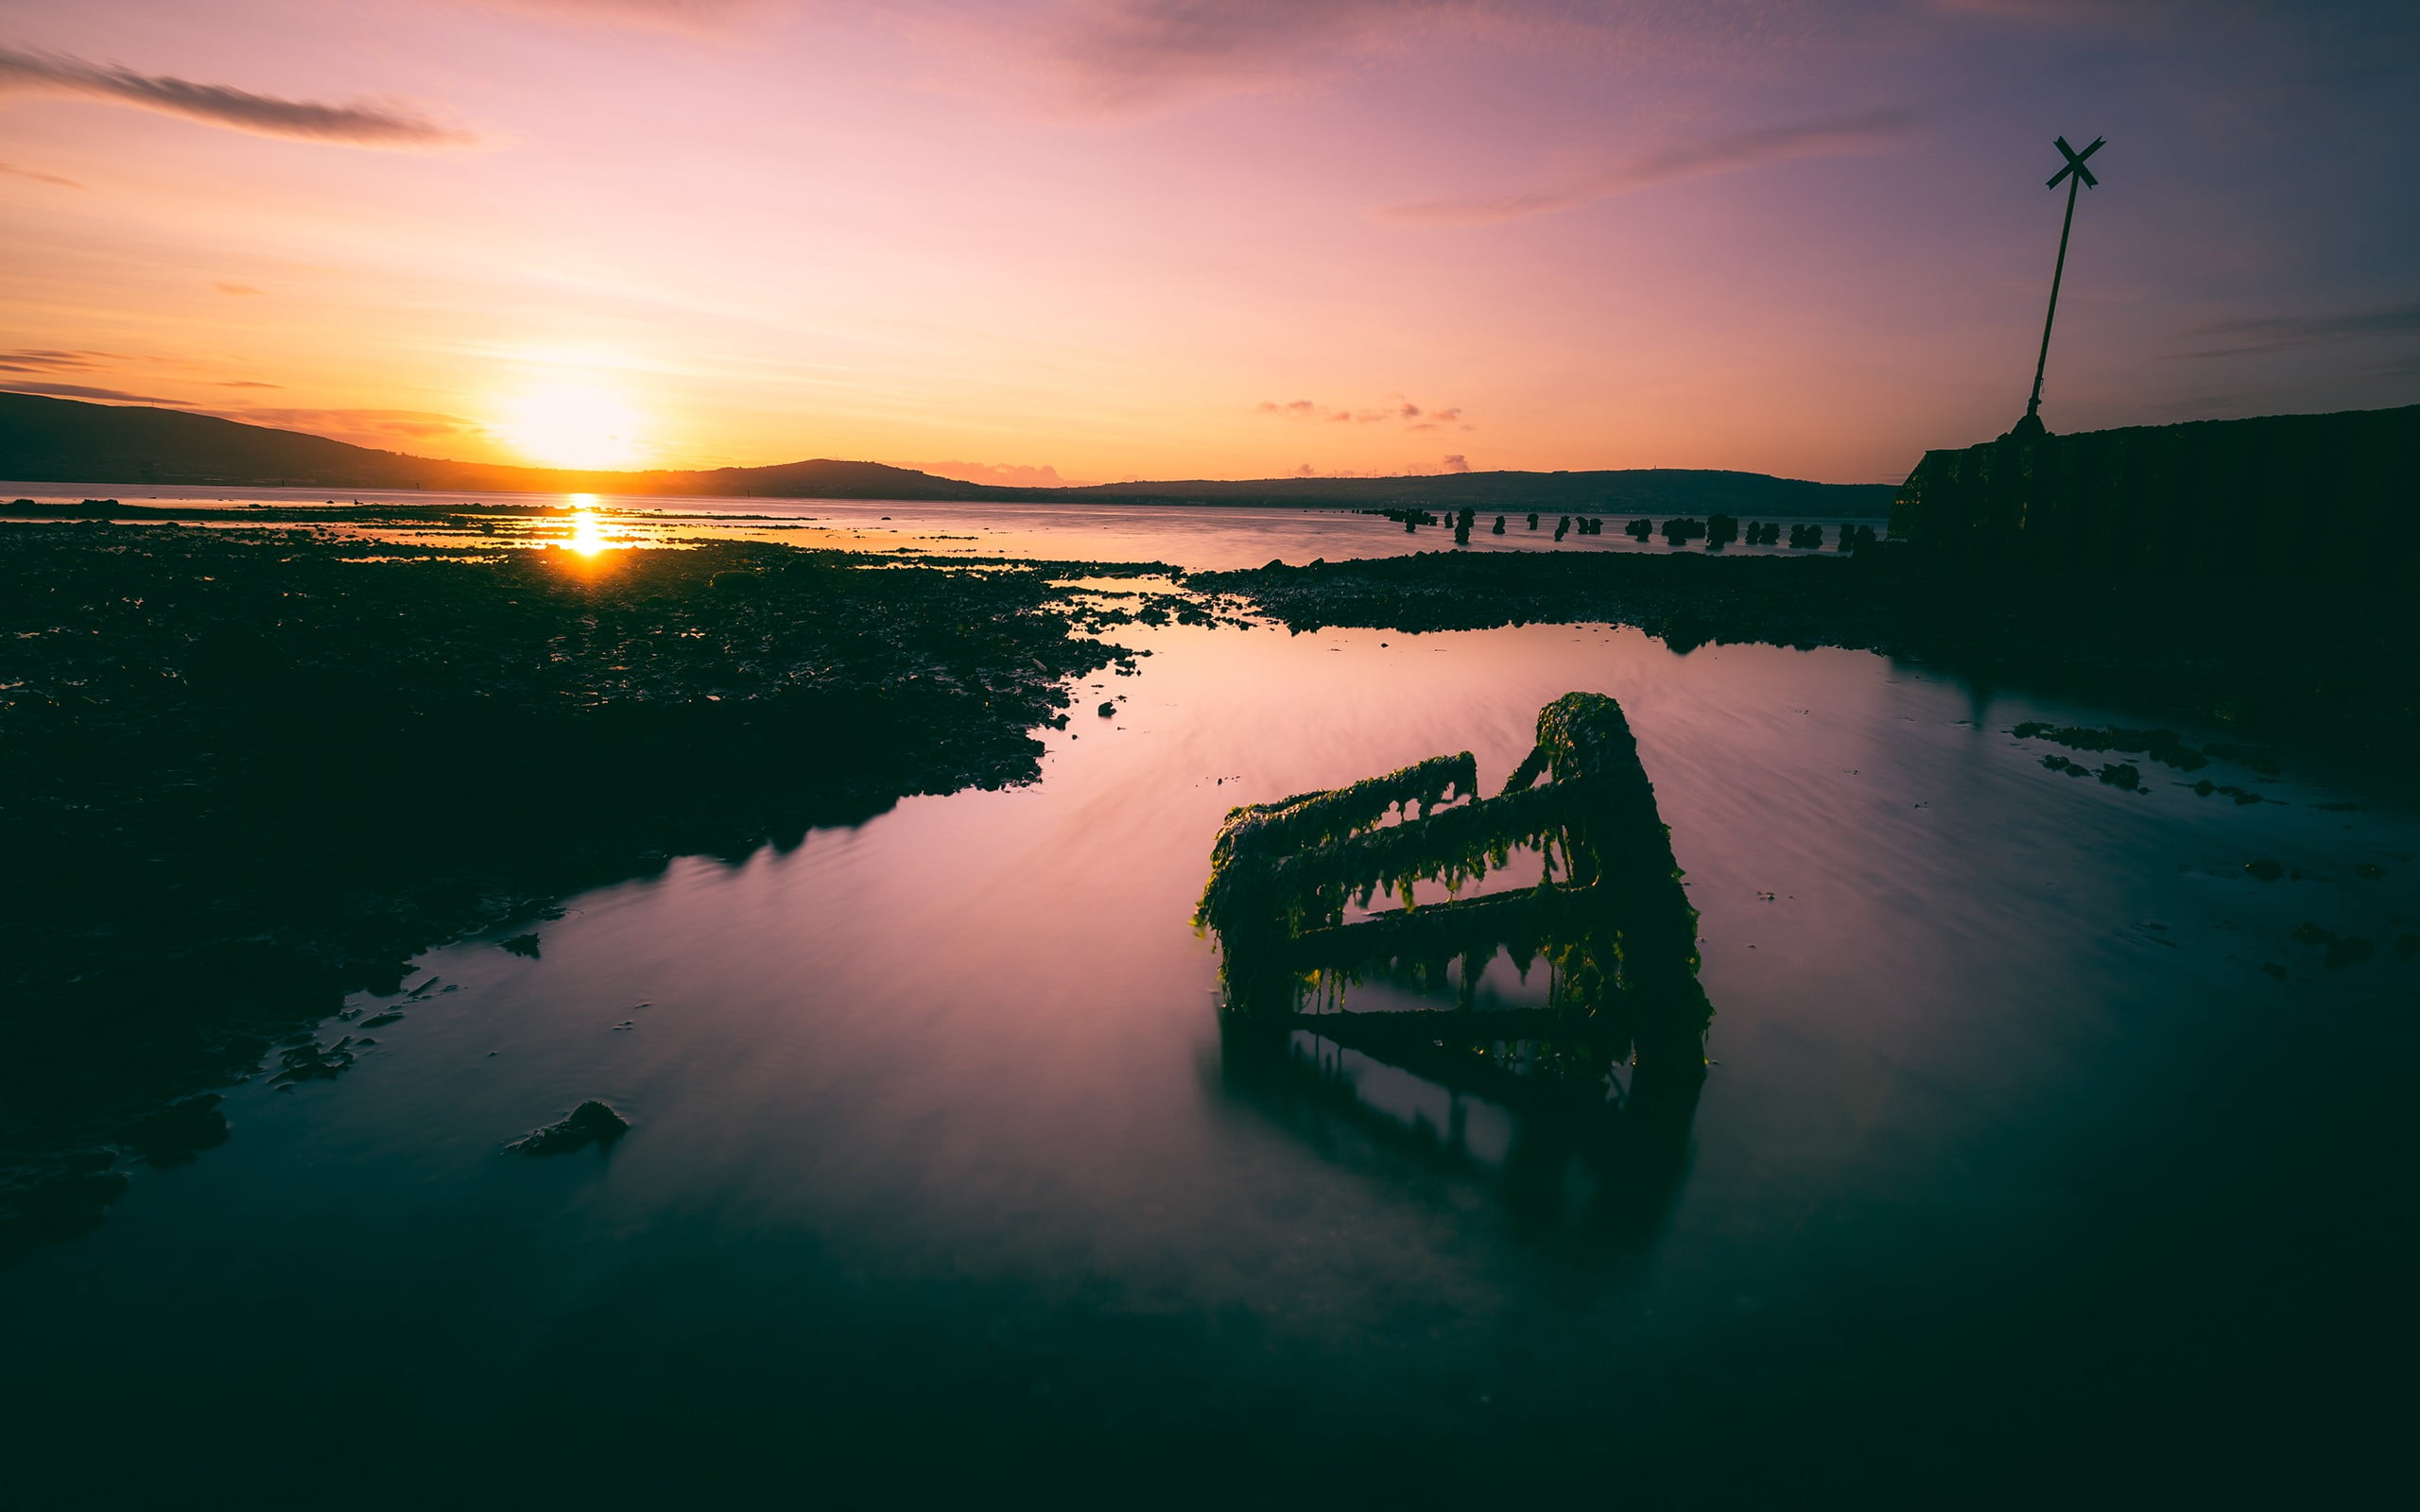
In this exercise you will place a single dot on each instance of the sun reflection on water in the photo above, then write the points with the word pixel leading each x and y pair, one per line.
pixel 587 530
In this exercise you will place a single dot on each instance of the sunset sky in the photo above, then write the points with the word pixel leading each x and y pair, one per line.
pixel 1172 239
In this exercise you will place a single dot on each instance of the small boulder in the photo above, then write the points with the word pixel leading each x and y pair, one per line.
pixel 174 1134
pixel 2349 950
pixel 591 1123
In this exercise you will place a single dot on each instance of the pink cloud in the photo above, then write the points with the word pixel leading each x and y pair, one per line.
pixel 1136 57
pixel 362 123
pixel 15 172
pixel 662 15
pixel 363 427
pixel 1412 416
pixel 43 359
pixel 1846 135
pixel 84 391
pixel 1005 475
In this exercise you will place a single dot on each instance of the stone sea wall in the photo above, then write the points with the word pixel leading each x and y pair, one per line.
pixel 2282 495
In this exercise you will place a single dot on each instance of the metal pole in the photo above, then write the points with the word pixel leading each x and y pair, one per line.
pixel 2075 181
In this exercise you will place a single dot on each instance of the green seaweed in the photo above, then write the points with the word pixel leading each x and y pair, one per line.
pixel 1614 925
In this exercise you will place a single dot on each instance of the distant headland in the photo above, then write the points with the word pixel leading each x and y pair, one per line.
pixel 43 439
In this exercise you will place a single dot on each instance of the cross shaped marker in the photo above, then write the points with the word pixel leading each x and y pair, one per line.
pixel 2075 164
pixel 2077 176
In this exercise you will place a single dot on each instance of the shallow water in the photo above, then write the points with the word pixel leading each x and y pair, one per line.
pixel 941 1180
pixel 1194 538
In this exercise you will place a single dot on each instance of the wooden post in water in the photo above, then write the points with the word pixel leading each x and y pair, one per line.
pixel 2078 175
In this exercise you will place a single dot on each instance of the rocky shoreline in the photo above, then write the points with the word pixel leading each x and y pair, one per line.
pixel 243 772
pixel 2313 664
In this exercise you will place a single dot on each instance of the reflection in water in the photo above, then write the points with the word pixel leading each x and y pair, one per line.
pixel 1212 538
pixel 1463 1104
pixel 1607 1069
pixel 587 530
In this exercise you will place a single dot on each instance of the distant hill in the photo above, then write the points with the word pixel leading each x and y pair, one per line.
pixel 69 442
pixel 64 441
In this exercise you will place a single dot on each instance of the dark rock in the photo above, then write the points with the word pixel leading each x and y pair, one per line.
pixel 2261 762
pixel 312 1062
pixel 2349 950
pixel 2163 746
pixel 2265 870
pixel 1108 708
pixel 60 1206
pixel 525 945
pixel 174 1134
pixel 591 1123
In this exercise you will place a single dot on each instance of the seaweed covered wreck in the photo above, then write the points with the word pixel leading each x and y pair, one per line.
pixel 1609 916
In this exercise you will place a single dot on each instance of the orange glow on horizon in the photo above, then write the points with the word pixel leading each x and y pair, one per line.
pixel 1091 241
pixel 573 421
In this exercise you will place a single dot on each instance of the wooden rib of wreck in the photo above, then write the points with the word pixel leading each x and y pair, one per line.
pixel 1614 924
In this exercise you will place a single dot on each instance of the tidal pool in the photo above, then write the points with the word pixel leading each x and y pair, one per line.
pixel 2035 1142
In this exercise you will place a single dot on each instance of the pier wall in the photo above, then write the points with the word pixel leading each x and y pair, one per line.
pixel 2284 495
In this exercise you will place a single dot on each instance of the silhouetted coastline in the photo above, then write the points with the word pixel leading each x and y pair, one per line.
pixel 67 440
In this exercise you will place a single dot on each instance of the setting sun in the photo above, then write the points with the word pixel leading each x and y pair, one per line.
pixel 573 422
